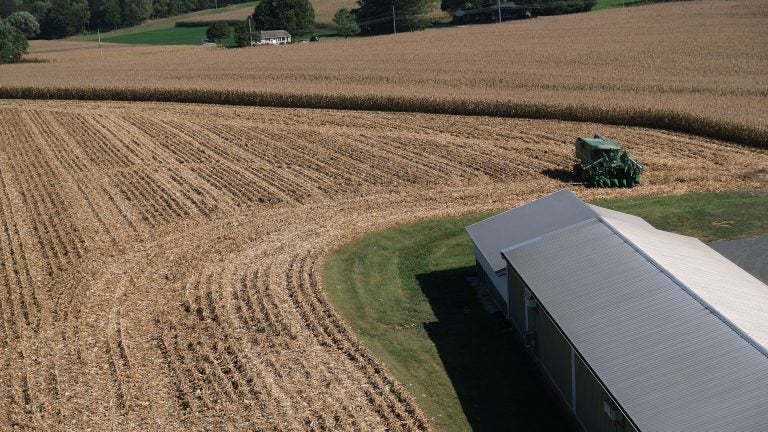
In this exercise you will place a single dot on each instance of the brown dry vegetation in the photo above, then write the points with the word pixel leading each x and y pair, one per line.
pixel 231 15
pixel 705 58
pixel 160 262
pixel 324 9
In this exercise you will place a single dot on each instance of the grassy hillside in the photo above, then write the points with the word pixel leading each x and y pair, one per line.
pixel 405 293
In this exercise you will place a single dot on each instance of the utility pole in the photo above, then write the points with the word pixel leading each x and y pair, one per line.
pixel 250 35
pixel 499 4
pixel 394 20
pixel 101 51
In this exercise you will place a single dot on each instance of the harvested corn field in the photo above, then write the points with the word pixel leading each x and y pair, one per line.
pixel 160 262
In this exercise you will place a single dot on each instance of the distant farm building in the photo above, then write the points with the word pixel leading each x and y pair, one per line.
pixel 638 329
pixel 274 37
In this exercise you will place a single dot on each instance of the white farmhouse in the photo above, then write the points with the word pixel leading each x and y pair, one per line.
pixel 274 37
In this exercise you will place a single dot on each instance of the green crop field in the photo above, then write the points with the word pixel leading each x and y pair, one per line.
pixel 405 293
pixel 607 4
pixel 167 36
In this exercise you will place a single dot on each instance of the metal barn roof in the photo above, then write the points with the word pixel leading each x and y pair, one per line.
pixel 733 292
pixel 666 357
pixel 523 223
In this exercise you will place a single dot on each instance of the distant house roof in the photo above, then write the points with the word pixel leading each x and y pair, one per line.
pixel 676 332
pixel 268 34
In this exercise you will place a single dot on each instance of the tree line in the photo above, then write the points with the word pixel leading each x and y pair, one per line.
pixel 376 16
pixel 60 18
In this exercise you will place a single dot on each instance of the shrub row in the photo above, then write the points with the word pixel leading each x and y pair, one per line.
pixel 205 23
pixel 650 118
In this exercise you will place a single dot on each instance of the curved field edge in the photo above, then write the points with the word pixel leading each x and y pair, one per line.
pixel 405 293
pixel 651 118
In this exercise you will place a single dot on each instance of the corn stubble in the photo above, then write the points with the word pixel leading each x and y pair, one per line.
pixel 161 262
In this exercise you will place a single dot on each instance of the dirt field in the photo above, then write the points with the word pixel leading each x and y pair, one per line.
pixel 241 14
pixel 324 9
pixel 160 262
pixel 702 57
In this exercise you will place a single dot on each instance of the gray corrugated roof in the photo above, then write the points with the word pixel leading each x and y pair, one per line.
pixel 733 292
pixel 265 34
pixel 671 363
pixel 523 223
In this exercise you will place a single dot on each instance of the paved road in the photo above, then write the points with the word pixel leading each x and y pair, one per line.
pixel 749 254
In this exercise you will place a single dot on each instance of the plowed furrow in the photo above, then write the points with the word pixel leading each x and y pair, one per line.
pixel 125 218
pixel 181 394
pixel 117 387
pixel 97 147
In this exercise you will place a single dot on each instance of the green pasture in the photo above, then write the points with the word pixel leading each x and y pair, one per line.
pixel 167 36
pixel 607 4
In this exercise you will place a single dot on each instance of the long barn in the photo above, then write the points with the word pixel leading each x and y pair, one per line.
pixel 637 329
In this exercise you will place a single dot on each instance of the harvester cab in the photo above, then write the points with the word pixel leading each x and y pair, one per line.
pixel 603 163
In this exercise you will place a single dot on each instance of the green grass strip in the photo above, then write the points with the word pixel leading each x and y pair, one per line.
pixel 706 216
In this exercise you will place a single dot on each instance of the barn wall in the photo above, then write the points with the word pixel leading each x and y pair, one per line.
pixel 553 351
pixel 489 277
pixel 590 397
pixel 578 388
pixel 516 289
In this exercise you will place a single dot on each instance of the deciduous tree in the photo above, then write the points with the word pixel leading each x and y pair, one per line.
pixel 346 24
pixel 218 31
pixel 13 43
pixel 295 16
pixel 65 17
pixel 105 14
pixel 25 23
pixel 375 16
pixel 244 35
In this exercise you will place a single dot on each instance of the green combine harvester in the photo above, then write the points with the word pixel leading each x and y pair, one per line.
pixel 602 163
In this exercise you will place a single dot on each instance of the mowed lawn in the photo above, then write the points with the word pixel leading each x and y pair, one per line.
pixel 405 293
